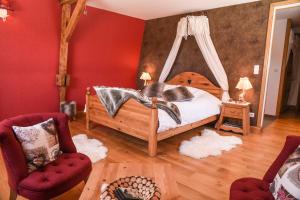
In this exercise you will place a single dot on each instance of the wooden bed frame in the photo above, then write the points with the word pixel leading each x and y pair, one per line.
pixel 139 121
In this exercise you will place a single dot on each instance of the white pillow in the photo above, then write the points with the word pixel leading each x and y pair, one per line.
pixel 39 142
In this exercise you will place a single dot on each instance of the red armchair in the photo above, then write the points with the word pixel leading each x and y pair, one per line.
pixel 257 189
pixel 56 177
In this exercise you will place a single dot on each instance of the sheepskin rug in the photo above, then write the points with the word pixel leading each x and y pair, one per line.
pixel 92 148
pixel 210 143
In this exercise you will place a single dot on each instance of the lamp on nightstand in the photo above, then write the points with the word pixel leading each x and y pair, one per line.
pixel 145 77
pixel 243 84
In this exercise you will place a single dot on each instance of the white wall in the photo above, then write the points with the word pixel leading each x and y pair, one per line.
pixel 275 66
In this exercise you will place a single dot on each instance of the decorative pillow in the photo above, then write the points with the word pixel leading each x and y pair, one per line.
pixel 154 90
pixel 39 143
pixel 177 94
pixel 286 184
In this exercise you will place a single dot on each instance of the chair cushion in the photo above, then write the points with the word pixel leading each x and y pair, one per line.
pixel 56 177
pixel 250 189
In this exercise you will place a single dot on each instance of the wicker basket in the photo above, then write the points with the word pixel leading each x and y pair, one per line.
pixel 142 187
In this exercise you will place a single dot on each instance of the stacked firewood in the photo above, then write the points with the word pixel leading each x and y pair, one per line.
pixel 132 188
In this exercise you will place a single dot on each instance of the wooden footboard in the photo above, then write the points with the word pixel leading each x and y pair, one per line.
pixel 132 118
pixel 139 121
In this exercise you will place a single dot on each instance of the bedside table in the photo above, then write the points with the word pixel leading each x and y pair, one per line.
pixel 236 111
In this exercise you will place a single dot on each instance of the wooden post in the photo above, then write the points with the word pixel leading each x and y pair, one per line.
pixel 87 107
pixel 68 24
pixel 246 120
pixel 74 19
pixel 61 78
pixel 152 139
pixel 221 118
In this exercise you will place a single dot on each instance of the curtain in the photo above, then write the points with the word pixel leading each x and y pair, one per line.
pixel 181 32
pixel 198 26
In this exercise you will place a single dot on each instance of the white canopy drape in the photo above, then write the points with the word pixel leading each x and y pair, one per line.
pixel 198 26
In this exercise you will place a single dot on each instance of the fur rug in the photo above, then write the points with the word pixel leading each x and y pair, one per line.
pixel 92 148
pixel 210 143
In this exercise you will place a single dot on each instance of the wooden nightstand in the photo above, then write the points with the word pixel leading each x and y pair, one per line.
pixel 236 111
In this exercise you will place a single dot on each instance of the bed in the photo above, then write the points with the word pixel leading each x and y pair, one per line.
pixel 142 122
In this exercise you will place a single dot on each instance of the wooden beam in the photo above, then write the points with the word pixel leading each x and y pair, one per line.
pixel 68 24
pixel 63 59
pixel 67 2
pixel 74 19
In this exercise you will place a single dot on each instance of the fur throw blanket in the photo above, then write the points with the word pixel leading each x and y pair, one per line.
pixel 113 98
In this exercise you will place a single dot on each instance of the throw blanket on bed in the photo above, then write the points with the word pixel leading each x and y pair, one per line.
pixel 113 98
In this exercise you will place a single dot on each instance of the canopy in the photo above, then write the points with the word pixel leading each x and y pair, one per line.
pixel 198 26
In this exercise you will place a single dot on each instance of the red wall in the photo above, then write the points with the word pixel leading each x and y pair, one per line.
pixel 105 50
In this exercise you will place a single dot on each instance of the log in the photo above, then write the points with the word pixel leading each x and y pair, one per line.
pixel 74 19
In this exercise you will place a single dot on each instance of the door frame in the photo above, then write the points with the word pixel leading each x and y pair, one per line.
pixel 263 91
pixel 283 67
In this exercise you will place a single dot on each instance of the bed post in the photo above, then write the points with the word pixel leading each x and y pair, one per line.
pixel 152 139
pixel 87 107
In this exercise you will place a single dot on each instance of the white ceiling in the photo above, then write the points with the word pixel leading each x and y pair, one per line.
pixel 151 9
pixel 290 13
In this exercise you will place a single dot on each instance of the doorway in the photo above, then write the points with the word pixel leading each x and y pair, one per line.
pixel 281 77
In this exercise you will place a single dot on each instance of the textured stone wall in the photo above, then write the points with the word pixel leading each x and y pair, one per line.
pixel 238 33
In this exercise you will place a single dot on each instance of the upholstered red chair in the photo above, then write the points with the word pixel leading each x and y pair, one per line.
pixel 258 189
pixel 56 177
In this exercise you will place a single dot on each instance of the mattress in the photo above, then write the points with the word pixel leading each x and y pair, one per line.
pixel 202 106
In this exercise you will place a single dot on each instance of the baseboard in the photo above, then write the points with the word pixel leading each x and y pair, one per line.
pixel 271 116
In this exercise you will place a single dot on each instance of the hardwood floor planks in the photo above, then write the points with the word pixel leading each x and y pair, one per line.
pixel 208 178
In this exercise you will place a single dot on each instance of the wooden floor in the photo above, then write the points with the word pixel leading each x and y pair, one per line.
pixel 208 178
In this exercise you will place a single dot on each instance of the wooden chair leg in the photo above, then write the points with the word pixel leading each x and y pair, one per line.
pixel 12 195
pixel 86 179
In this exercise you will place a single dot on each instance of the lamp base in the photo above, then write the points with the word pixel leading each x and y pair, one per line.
pixel 242 97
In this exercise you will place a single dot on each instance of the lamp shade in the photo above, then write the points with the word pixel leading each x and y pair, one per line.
pixel 4 7
pixel 5 4
pixel 145 76
pixel 244 84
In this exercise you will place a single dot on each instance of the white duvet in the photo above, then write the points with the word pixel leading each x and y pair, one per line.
pixel 202 106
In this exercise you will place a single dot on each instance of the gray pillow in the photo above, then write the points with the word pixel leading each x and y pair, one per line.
pixel 177 94
pixel 154 90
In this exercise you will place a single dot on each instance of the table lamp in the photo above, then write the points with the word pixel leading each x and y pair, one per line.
pixel 243 84
pixel 4 8
pixel 145 77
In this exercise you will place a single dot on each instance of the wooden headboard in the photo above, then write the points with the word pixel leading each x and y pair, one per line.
pixel 196 80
